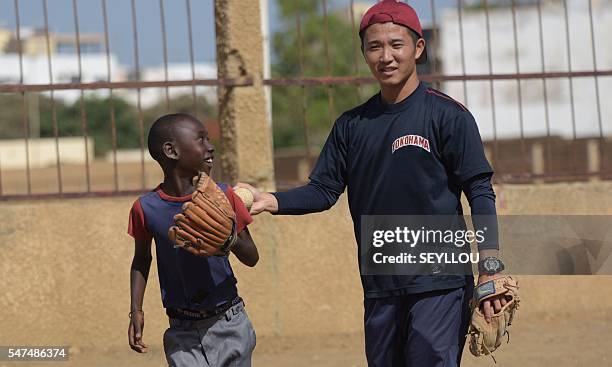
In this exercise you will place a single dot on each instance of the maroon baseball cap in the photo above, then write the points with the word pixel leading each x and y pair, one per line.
pixel 397 12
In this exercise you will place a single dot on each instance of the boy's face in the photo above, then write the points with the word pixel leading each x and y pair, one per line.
pixel 194 152
pixel 391 53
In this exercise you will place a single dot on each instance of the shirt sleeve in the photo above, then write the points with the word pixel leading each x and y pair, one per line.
pixel 481 197
pixel 243 217
pixel 331 168
pixel 462 149
pixel 137 227
pixel 310 198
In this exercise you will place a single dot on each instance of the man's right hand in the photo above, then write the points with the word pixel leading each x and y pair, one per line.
pixel 262 201
pixel 135 332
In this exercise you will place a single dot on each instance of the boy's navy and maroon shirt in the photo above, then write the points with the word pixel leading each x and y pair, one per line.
pixel 186 281
pixel 408 158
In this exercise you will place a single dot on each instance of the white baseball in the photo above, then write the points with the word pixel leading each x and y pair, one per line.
pixel 246 196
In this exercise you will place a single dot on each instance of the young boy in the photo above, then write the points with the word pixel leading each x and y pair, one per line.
pixel 208 323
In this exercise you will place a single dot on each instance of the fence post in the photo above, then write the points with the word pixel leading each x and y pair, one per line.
pixel 246 132
pixel 593 161
pixel 538 163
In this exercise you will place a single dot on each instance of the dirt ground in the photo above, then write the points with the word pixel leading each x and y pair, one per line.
pixel 74 179
pixel 543 340
pixel 537 339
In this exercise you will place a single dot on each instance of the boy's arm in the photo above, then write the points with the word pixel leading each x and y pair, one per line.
pixel 245 248
pixel 139 273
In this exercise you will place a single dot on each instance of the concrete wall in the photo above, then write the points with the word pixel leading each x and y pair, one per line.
pixel 246 131
pixel 42 152
pixel 65 264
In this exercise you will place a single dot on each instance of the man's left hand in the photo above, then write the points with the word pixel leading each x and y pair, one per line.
pixel 494 304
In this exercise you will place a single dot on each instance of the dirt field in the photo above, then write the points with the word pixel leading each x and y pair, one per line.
pixel 545 340
pixel 74 179
pixel 287 278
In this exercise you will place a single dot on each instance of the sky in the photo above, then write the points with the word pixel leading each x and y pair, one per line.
pixel 61 19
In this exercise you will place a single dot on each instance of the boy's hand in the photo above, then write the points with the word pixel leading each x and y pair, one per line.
pixel 206 224
pixel 135 332
pixel 262 201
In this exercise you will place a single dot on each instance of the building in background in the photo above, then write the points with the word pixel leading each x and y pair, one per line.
pixel 176 71
pixel 543 126
pixel 34 42
pixel 530 52
pixel 64 61
pixel 5 38
pixel 59 57
pixel 94 67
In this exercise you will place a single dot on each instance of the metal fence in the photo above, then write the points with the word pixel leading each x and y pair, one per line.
pixel 77 179
pixel 520 158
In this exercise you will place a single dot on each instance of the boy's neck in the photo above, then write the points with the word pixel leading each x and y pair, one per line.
pixel 177 185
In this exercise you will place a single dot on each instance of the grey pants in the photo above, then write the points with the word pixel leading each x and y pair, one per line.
pixel 227 340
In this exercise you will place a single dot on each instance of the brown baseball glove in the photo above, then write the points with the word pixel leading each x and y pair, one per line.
pixel 484 337
pixel 207 224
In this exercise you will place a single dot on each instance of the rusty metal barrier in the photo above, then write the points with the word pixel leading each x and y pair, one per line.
pixel 51 89
pixel 522 171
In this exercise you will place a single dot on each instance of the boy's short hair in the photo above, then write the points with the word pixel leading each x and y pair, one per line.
pixel 162 130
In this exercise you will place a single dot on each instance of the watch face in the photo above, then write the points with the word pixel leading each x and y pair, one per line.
pixel 491 265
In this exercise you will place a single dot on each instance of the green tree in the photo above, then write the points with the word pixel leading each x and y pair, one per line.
pixel 11 116
pixel 345 59
pixel 202 109
pixel 98 113
pixel 184 103
pixel 98 120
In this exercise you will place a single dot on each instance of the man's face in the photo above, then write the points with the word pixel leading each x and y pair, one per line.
pixel 390 52
pixel 195 152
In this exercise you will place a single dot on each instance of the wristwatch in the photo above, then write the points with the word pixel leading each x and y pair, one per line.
pixel 490 266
